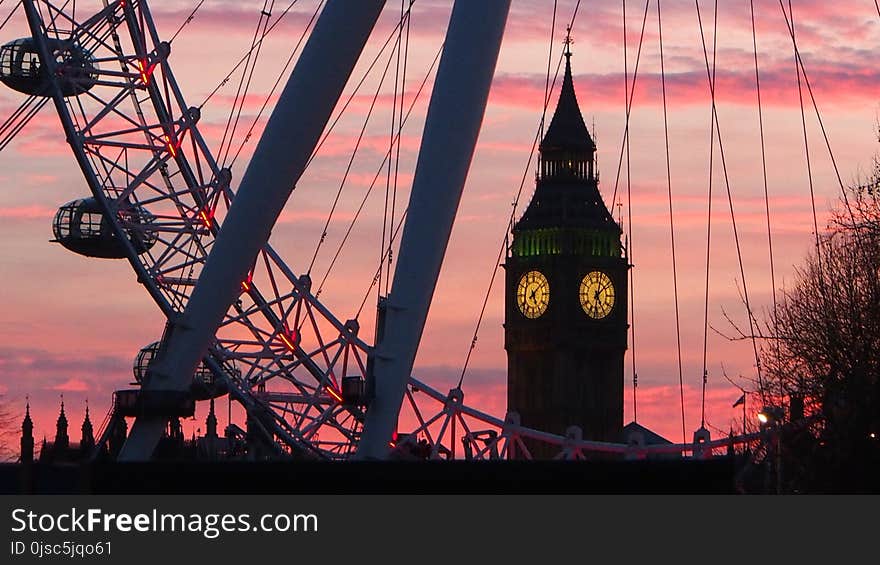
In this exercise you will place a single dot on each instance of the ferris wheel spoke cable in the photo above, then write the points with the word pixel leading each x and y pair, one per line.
pixel 504 242
pixel 395 117
pixel 390 161
pixel 20 118
pixel 375 279
pixel 764 172
pixel 59 12
pixel 625 140
pixel 511 219
pixel 671 221
pixel 806 79
pixel 352 95
pixel 244 82
pixel 730 198
pixel 351 162
pixel 244 57
pixel 405 18
pixel 281 76
pixel 629 224
pixel 187 21
pixel 549 66
pixel 711 183
pixel 387 156
pixel 399 128
pixel 806 138
pixel 11 13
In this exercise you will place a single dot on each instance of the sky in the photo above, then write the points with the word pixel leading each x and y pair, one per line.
pixel 72 326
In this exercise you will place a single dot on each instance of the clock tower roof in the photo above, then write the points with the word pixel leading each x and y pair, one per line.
pixel 567 192
pixel 567 205
pixel 567 130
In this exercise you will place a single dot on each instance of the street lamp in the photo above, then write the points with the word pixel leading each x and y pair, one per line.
pixel 771 419
pixel 771 415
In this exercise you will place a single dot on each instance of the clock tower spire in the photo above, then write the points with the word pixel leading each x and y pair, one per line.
pixel 566 290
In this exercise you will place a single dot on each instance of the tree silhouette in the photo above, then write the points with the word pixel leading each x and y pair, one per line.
pixel 821 356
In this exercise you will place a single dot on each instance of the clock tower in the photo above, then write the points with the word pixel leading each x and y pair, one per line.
pixel 565 327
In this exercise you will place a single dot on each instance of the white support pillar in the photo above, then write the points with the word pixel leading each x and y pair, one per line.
pixel 290 137
pixel 455 115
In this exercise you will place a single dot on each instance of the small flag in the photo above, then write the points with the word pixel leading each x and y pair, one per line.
pixel 741 400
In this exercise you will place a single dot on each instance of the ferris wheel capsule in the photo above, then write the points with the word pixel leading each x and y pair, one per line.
pixel 21 69
pixel 204 384
pixel 82 227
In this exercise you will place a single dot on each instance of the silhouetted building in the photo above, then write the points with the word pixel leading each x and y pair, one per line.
pixel 211 423
pixel 59 450
pixel 566 291
pixel 62 439
pixel 87 441
pixel 637 435
pixel 212 446
pixel 27 436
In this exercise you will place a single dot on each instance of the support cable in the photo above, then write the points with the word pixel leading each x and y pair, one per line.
pixel 20 118
pixel 730 201
pixel 705 376
pixel 351 159
pixel 352 95
pixel 629 226
pixel 375 279
pixel 244 82
pixel 629 103
pixel 275 86
pixel 764 168
pixel 327 133
pixel 244 57
pixel 354 220
pixel 394 161
pixel 806 144
pixel 671 221
pixel 549 65
pixel 186 22
pixel 11 13
pixel 400 129
pixel 512 217
pixel 806 78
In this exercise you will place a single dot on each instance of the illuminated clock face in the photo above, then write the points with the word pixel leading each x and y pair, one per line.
pixel 597 295
pixel 533 294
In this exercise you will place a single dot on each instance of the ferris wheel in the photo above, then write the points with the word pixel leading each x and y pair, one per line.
pixel 240 321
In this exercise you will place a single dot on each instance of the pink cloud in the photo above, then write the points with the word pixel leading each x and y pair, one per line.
pixel 33 212
pixel 72 385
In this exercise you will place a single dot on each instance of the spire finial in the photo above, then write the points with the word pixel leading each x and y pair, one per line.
pixel 27 424
pixel 568 41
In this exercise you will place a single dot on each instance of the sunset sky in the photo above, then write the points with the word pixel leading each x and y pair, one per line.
pixel 73 325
